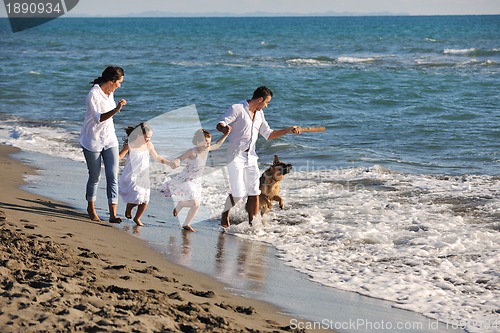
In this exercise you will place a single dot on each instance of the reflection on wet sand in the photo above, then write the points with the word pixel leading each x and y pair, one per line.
pixel 248 263
pixel 239 262
pixel 135 229
pixel 186 244
pixel 180 253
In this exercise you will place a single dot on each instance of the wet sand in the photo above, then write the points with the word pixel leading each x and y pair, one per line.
pixel 62 272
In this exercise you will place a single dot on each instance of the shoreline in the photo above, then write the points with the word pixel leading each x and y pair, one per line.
pixel 64 272
pixel 242 268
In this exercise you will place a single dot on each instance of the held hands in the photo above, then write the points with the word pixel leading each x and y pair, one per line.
pixel 224 129
pixel 295 130
pixel 172 164
pixel 175 163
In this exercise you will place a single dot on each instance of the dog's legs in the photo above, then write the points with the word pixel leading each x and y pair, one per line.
pixel 280 201
pixel 252 207
pixel 265 205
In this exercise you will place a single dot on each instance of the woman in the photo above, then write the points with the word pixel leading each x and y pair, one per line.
pixel 98 139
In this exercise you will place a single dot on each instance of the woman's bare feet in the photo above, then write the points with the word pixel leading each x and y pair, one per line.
pixel 92 213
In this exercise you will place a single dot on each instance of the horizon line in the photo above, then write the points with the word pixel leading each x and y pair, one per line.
pixel 160 14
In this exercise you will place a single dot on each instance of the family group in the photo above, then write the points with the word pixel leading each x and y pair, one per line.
pixel 98 139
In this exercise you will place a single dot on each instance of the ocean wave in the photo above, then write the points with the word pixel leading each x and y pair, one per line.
pixel 486 53
pixel 473 52
pixel 386 61
pixel 316 62
pixel 433 40
pixel 490 63
pixel 459 51
pixel 437 63
pixel 356 60
pixel 49 140
pixel 327 61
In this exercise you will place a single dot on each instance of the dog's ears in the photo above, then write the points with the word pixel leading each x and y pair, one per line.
pixel 276 159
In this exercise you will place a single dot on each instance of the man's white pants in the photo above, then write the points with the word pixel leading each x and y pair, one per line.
pixel 244 176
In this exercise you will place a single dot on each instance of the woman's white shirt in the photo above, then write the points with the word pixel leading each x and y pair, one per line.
pixel 97 136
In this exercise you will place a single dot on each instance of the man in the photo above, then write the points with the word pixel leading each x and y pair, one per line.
pixel 245 121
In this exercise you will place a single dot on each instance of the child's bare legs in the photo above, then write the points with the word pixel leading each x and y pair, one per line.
pixel 194 206
pixel 140 210
pixel 179 206
pixel 128 210
pixel 91 211
pixel 138 214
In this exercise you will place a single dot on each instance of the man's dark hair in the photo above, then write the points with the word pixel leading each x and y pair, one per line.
pixel 263 92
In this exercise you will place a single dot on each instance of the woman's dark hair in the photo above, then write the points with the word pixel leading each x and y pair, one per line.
pixel 111 73
pixel 263 92
pixel 200 136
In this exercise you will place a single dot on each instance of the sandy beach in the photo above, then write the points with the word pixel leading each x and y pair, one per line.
pixel 62 272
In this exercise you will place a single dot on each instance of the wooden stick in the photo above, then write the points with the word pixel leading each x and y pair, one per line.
pixel 313 129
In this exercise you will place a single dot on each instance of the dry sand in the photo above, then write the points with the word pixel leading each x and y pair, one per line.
pixel 60 272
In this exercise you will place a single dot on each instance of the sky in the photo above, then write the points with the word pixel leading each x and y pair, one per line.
pixel 413 7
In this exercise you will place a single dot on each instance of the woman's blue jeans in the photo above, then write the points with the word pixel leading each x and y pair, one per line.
pixel 94 161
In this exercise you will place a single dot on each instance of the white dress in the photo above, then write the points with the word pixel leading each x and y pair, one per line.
pixel 186 185
pixel 134 184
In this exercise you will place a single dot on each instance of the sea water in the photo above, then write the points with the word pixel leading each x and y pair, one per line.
pixel 398 199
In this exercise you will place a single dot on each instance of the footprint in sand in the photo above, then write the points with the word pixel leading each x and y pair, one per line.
pixel 117 267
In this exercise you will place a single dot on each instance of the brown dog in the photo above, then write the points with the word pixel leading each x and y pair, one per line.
pixel 270 185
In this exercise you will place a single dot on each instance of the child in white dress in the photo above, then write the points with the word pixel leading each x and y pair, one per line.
pixel 134 185
pixel 186 185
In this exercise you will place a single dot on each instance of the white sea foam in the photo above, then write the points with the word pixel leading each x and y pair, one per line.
pixel 46 140
pixel 309 62
pixel 324 61
pixel 433 40
pixel 355 60
pixel 459 51
pixel 427 243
